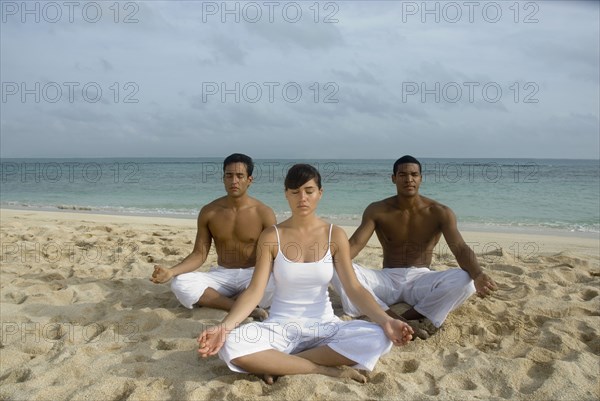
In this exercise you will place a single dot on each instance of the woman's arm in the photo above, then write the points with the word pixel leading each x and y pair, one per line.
pixel 396 330
pixel 212 339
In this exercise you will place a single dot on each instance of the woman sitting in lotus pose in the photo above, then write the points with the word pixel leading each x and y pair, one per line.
pixel 302 335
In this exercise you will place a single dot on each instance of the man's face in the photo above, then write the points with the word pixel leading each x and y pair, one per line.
pixel 407 179
pixel 236 179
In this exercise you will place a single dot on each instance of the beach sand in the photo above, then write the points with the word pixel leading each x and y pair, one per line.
pixel 81 321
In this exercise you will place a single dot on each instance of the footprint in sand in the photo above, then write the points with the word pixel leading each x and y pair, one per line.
pixel 165 345
pixel 125 392
pixel 466 384
pixel 17 297
pixel 130 234
pixel 507 269
pixel 170 251
pixel 432 386
pixel 102 228
pixel 588 295
pixel 137 359
pixel 591 340
pixel 52 277
pixel 84 245
pixel 18 375
pixel 410 366
pixel 90 335
pixel 379 378
pixel 28 237
pixel 451 360
pixel 513 291
pixel 537 375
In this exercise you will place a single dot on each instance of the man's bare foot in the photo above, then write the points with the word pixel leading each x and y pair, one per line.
pixel 259 314
pixel 417 331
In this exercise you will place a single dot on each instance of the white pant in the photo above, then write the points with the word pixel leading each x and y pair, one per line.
pixel 189 287
pixel 360 341
pixel 434 294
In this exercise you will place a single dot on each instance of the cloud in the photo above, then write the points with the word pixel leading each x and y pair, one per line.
pixel 376 80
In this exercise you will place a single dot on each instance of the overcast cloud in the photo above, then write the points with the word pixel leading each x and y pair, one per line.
pixel 357 79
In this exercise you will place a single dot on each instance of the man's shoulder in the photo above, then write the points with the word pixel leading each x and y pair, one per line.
pixel 210 210
pixel 258 204
pixel 434 205
pixel 387 206
pixel 260 209
pixel 436 211
pixel 219 203
pixel 380 205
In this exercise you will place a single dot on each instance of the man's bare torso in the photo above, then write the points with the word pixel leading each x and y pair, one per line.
pixel 235 232
pixel 407 237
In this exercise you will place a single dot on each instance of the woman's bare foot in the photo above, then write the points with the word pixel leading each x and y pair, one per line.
pixel 350 373
pixel 341 372
pixel 267 378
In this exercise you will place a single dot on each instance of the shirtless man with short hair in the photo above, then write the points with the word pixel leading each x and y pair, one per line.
pixel 408 227
pixel 234 222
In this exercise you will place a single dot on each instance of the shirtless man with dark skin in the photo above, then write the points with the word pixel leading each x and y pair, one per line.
pixel 234 222
pixel 409 227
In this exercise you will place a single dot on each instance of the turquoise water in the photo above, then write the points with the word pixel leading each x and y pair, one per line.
pixel 491 193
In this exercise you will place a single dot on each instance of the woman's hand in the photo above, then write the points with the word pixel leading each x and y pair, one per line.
pixel 161 275
pixel 398 331
pixel 211 340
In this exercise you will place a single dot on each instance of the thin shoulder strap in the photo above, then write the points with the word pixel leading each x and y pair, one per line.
pixel 278 240
pixel 330 230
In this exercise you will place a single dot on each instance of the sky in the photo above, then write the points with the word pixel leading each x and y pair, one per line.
pixel 272 79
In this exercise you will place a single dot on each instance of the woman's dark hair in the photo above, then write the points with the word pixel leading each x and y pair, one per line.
pixel 239 158
pixel 300 174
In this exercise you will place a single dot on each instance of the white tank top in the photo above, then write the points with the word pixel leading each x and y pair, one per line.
pixel 301 288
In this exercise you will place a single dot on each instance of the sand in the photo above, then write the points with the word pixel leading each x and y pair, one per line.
pixel 81 321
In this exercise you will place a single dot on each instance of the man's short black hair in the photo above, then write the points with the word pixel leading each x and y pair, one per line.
pixel 406 160
pixel 239 158
pixel 300 174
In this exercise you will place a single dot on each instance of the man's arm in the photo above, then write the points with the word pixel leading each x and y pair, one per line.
pixel 195 259
pixel 466 258
pixel 267 216
pixel 363 233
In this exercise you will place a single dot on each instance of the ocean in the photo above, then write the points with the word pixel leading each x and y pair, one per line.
pixel 492 194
